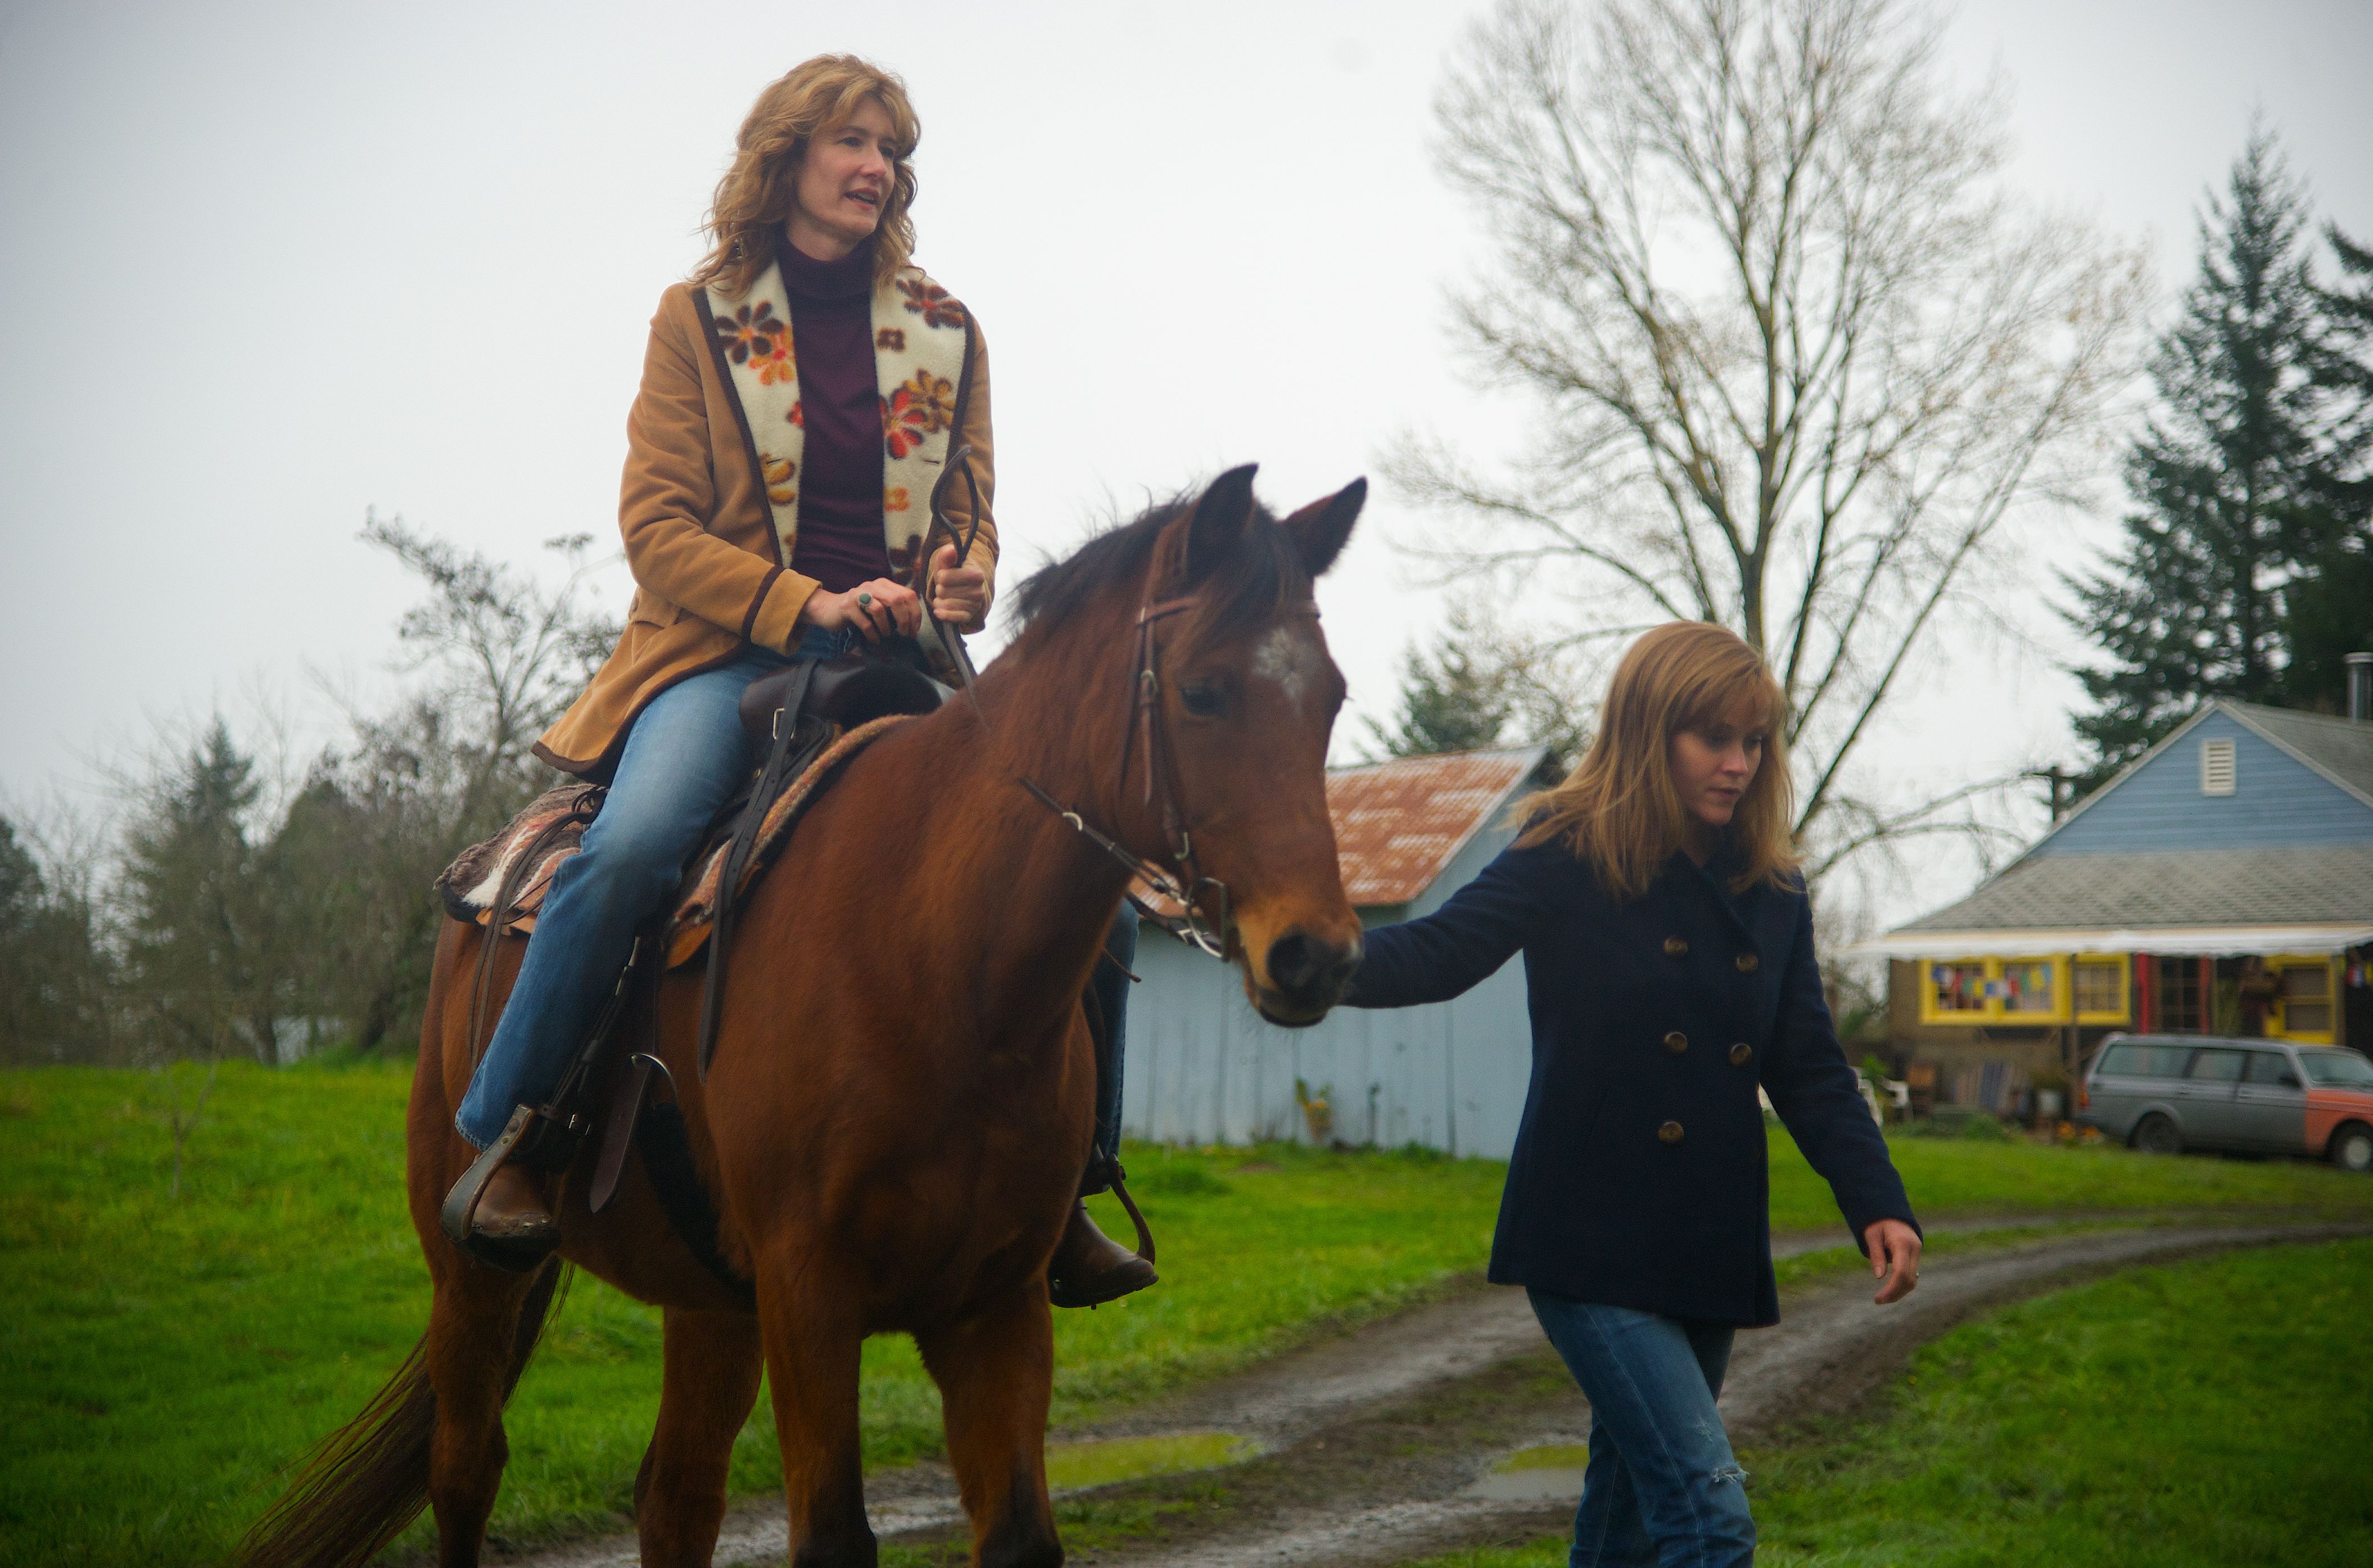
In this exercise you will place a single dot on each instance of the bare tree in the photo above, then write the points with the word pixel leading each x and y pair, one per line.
pixel 497 655
pixel 504 654
pixel 1798 366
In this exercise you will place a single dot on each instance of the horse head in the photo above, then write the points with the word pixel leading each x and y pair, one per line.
pixel 1210 733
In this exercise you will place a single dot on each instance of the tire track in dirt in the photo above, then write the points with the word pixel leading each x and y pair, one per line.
pixel 1832 1348
pixel 1373 1437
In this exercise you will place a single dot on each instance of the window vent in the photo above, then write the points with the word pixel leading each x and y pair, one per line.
pixel 2216 768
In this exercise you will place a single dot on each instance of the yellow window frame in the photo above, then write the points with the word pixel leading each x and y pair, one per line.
pixel 2123 962
pixel 1994 1011
pixel 2277 1019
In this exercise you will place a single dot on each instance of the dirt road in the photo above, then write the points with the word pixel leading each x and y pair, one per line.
pixel 1381 1445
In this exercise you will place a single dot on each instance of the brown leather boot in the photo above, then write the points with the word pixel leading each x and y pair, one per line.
pixel 1089 1266
pixel 512 1209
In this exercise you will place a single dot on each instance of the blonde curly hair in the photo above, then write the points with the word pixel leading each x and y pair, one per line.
pixel 754 199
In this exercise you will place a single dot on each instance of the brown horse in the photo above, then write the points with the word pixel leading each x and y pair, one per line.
pixel 900 1107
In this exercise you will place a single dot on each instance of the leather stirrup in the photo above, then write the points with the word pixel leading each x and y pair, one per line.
pixel 462 1204
pixel 1144 1230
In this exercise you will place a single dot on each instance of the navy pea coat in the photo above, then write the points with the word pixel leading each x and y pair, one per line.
pixel 1640 1177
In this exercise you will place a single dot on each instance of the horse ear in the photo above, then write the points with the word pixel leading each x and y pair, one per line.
pixel 1218 525
pixel 1321 528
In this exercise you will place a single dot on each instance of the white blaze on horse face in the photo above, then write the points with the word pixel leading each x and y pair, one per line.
pixel 1291 657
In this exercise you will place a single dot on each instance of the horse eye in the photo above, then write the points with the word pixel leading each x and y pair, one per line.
pixel 1201 701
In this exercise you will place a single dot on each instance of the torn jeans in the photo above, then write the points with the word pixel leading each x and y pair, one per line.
pixel 1662 1488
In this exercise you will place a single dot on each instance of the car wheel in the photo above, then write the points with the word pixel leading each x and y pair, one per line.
pixel 2352 1147
pixel 2158 1135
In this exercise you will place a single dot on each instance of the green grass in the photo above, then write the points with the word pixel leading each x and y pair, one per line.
pixel 2197 1415
pixel 1950 1176
pixel 166 1356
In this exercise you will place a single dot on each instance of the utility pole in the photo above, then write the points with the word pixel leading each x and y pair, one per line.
pixel 2061 789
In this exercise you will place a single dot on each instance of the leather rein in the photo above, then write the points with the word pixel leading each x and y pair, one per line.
pixel 1208 918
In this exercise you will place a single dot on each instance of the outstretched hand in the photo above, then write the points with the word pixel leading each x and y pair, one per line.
pixel 1894 1259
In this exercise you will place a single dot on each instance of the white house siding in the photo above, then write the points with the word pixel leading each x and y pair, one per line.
pixel 1203 1068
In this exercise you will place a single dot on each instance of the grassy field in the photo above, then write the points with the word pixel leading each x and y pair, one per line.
pixel 2200 1415
pixel 166 1354
pixel 165 1357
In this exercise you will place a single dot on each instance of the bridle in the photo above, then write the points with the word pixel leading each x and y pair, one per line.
pixel 1206 918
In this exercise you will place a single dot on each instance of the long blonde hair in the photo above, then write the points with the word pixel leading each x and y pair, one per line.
pixel 754 199
pixel 1619 810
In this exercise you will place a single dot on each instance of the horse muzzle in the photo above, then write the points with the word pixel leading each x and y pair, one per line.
pixel 1301 975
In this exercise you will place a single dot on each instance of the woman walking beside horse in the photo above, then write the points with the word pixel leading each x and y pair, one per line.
pixel 1668 955
pixel 849 380
pixel 893 1131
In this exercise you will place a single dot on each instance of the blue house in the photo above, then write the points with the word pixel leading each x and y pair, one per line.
pixel 1203 1068
pixel 2223 883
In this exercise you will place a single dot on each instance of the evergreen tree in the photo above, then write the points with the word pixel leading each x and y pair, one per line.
pixel 2328 611
pixel 2227 477
pixel 57 979
pixel 1457 699
pixel 204 906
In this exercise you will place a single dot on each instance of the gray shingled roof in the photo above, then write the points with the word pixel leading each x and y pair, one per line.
pixel 2341 747
pixel 2308 884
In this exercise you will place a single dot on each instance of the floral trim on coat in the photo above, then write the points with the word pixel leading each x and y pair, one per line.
pixel 922 346
pixel 756 336
pixel 932 302
pixel 923 406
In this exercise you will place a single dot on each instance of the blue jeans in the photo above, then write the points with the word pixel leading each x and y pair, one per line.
pixel 1663 1487
pixel 684 759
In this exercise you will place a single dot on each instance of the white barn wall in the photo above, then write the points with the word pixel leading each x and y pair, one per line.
pixel 1203 1068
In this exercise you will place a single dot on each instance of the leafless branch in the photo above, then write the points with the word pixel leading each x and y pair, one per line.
pixel 1799 365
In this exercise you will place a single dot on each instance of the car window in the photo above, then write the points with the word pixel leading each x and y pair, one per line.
pixel 2268 1067
pixel 2219 1067
pixel 2337 1069
pixel 2145 1062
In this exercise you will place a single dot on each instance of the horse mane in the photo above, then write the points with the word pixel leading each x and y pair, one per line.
pixel 1247 589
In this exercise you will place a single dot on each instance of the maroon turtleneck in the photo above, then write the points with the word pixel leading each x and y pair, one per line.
pixel 840 542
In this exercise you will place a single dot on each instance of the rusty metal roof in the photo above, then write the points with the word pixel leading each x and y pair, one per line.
pixel 1397 824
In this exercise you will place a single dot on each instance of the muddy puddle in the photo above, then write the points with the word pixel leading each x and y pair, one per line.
pixel 1547 1472
pixel 1107 1461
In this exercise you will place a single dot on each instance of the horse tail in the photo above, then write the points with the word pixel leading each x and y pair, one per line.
pixel 369 1479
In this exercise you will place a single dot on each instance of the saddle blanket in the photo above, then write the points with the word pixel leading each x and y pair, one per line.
pixel 552 829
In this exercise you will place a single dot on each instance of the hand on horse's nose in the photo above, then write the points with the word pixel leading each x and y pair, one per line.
pixel 1309 969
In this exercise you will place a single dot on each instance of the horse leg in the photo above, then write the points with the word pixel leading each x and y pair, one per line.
pixel 996 1372
pixel 812 1345
pixel 712 1366
pixel 472 1328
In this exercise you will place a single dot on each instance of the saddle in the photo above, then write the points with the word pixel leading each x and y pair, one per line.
pixel 813 717
pixel 845 696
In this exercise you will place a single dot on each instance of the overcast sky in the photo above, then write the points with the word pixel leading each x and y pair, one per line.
pixel 267 267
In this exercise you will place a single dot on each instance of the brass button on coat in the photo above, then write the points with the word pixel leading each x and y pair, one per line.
pixel 1675 947
pixel 1676 1042
pixel 1670 1132
pixel 1740 1054
pixel 1746 962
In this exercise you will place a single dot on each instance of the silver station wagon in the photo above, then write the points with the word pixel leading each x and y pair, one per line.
pixel 2165 1093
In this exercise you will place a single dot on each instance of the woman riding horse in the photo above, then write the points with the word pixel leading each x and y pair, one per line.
pixel 801 398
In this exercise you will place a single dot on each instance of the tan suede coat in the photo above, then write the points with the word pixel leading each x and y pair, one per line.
pixel 711 575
